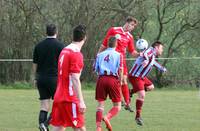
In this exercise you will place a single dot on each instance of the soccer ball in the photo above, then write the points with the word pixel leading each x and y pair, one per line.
pixel 141 44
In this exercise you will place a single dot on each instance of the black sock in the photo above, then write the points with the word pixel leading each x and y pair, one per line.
pixel 46 123
pixel 42 116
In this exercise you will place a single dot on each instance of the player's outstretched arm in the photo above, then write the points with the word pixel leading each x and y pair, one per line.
pixel 135 54
pixel 160 67
pixel 34 74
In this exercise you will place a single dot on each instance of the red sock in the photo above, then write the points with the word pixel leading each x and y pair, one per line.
pixel 139 104
pixel 99 116
pixel 125 93
pixel 113 112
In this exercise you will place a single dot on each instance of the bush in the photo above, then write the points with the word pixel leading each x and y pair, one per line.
pixel 17 85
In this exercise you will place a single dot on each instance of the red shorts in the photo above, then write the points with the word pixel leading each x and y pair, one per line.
pixel 108 85
pixel 138 83
pixel 67 114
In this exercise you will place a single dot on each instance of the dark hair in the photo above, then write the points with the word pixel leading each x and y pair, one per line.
pixel 156 43
pixel 112 42
pixel 130 19
pixel 79 33
pixel 51 29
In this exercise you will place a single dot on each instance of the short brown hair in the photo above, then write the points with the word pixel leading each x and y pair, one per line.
pixel 157 43
pixel 51 29
pixel 112 42
pixel 130 19
pixel 79 33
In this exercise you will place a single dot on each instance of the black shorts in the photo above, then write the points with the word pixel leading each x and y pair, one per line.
pixel 46 86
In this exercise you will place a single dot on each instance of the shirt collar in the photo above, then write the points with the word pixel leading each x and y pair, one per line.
pixel 154 51
pixel 74 47
pixel 51 36
pixel 109 48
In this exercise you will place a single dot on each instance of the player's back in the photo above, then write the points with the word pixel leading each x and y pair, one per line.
pixel 67 64
pixel 108 62
pixel 138 69
pixel 46 54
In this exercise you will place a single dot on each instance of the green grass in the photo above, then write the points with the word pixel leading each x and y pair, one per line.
pixel 163 110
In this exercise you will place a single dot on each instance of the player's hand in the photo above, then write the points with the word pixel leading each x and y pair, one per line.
pixel 145 63
pixel 82 108
pixel 34 83
pixel 141 54
pixel 164 70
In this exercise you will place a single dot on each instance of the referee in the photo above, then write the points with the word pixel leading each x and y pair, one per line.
pixel 45 59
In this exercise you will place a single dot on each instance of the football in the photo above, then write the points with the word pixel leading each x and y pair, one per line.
pixel 141 44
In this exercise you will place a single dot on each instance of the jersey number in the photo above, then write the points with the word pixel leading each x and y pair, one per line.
pixel 61 62
pixel 107 59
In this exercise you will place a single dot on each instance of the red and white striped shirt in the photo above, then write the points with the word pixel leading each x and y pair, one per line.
pixel 139 70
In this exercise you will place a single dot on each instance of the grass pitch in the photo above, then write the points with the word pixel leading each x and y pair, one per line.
pixel 163 110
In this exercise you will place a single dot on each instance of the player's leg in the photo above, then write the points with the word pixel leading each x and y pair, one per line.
pixel 139 104
pixel 44 101
pixel 111 113
pixel 52 84
pixel 124 86
pixel 148 84
pixel 80 129
pixel 100 96
pixel 149 88
pixel 115 96
pixel 138 87
pixel 58 128
pixel 114 110
pixel 67 114
pixel 44 109
pixel 126 94
pixel 99 115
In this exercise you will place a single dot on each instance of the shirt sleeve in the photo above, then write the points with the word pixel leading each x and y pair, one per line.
pixel 76 64
pixel 131 46
pixel 108 35
pixel 35 56
pixel 148 53
pixel 158 66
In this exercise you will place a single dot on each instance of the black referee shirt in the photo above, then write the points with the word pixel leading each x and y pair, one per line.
pixel 46 55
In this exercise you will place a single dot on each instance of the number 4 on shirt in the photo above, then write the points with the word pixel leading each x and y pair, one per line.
pixel 107 59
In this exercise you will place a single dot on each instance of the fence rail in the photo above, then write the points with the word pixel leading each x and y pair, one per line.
pixel 128 59
pixel 181 70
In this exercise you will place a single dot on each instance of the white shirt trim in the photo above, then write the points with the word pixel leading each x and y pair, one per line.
pixel 51 36
pixel 73 47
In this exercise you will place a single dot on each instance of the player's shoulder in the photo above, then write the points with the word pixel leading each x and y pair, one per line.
pixel 117 28
pixel 150 51
pixel 60 44
pixel 116 53
pixel 102 53
pixel 41 42
pixel 129 34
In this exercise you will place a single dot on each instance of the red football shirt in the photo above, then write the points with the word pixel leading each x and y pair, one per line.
pixel 70 61
pixel 124 40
